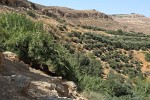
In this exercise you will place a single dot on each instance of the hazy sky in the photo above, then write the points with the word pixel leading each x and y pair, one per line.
pixel 106 6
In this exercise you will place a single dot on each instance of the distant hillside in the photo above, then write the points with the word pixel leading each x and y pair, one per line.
pixel 133 22
pixel 82 17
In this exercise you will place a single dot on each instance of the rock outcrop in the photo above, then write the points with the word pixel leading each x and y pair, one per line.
pixel 19 82
pixel 11 56
pixel 71 13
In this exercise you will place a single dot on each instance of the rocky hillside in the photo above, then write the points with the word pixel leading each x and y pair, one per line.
pixel 24 83
pixel 82 17
pixel 126 22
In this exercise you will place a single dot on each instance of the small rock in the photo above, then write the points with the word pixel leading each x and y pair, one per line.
pixel 13 77
pixel 11 56
pixel 62 90
pixel 52 86
pixel 54 93
pixel 71 85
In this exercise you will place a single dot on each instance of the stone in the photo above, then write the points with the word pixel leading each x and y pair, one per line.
pixel 11 56
pixel 71 85
pixel 63 90
pixel 23 83
pixel 51 86
pixel 54 93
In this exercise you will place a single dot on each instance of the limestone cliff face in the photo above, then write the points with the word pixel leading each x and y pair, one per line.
pixel 82 17
pixel 70 13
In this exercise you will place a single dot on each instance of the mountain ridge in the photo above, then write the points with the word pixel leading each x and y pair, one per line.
pixel 87 17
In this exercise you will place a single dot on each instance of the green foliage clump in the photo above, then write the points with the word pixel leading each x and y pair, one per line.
pixel 93 28
pixel 117 86
pixel 147 57
pixel 89 66
pixel 122 33
pixel 89 83
pixel 31 13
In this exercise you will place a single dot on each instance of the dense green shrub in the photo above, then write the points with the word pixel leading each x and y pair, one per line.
pixel 31 13
pixel 89 66
pixel 93 28
pixel 89 83
pixel 116 85
pixel 97 52
pixel 141 90
pixel 122 33
pixel 74 34
pixel 147 57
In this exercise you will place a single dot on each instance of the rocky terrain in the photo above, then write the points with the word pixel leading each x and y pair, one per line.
pixel 24 83
pixel 82 17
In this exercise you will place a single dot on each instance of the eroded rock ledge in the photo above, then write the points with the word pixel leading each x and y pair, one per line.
pixel 19 82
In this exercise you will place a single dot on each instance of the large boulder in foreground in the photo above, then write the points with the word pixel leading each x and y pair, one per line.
pixel 19 82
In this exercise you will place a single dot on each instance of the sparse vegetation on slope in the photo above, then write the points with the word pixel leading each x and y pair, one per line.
pixel 38 48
